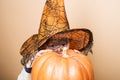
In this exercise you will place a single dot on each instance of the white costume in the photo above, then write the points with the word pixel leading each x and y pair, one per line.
pixel 24 75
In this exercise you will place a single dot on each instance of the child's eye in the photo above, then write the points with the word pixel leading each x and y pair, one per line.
pixel 63 44
pixel 51 45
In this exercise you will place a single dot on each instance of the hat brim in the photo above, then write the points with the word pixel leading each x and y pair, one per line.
pixel 79 39
pixel 29 46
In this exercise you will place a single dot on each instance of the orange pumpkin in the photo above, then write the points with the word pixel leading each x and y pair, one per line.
pixel 69 66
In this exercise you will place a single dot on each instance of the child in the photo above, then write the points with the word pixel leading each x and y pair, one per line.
pixel 25 73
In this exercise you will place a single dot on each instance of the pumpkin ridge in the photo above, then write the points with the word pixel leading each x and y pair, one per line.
pixel 42 60
pixel 74 70
pixel 86 64
pixel 82 66
pixel 47 60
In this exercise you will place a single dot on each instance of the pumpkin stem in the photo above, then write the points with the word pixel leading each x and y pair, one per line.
pixel 64 53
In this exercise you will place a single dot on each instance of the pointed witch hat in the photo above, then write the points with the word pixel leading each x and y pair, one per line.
pixel 54 24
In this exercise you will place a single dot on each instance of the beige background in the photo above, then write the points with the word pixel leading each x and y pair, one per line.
pixel 19 19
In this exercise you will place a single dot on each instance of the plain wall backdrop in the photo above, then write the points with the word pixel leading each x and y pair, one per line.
pixel 19 19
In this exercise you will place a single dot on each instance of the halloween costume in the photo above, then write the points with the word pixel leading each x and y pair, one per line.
pixel 54 27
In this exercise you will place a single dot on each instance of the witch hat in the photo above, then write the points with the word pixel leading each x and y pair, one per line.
pixel 54 24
